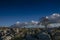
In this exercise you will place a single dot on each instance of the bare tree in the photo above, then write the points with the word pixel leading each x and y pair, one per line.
pixel 45 21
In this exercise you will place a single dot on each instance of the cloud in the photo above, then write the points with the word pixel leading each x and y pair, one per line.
pixel 33 24
pixel 17 22
pixel 54 17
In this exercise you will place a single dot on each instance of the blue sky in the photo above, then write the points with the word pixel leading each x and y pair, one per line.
pixel 12 11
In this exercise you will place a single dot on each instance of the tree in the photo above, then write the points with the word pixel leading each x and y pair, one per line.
pixel 45 21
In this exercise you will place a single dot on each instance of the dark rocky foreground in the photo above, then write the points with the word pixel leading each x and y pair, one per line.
pixel 29 34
